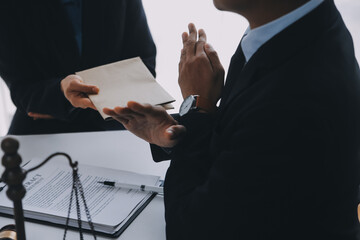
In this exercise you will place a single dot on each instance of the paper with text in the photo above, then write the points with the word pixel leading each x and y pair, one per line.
pixel 48 195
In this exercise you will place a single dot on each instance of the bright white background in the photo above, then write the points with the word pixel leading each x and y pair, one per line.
pixel 168 19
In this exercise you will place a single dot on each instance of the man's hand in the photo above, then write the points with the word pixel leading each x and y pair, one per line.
pixel 200 70
pixel 76 91
pixel 37 116
pixel 151 123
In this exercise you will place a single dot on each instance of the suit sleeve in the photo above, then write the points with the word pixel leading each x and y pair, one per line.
pixel 159 153
pixel 41 97
pixel 30 92
pixel 237 187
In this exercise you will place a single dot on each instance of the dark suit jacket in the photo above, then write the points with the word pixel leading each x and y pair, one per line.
pixel 38 49
pixel 280 158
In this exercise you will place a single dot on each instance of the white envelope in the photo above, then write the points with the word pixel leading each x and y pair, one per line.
pixel 124 81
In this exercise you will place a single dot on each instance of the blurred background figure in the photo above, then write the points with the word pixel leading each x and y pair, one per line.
pixel 43 43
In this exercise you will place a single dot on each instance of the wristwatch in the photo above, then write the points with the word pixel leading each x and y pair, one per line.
pixel 195 103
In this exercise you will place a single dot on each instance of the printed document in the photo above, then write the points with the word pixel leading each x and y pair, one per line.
pixel 48 195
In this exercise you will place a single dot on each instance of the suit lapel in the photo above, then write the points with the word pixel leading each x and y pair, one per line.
pixel 104 25
pixel 241 77
pixel 52 46
pixel 278 50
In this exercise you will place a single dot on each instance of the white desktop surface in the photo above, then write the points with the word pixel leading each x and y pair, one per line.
pixel 114 149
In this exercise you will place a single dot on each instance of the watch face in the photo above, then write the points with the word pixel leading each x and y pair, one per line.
pixel 187 105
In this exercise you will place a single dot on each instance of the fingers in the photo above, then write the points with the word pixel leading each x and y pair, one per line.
pixel 122 113
pixel 202 36
pixel 109 111
pixel 176 132
pixel 135 112
pixel 200 43
pixel 185 37
pixel 192 43
pixel 113 114
pixel 74 83
pixel 128 113
pixel 189 41
pixel 76 91
pixel 192 33
pixel 82 102
pixel 173 135
pixel 78 86
pixel 213 57
pixel 141 109
pixel 37 116
pixel 148 122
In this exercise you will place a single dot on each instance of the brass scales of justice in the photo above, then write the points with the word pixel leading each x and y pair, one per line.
pixel 14 176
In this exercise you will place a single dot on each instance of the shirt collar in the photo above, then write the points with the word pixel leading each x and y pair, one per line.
pixel 254 38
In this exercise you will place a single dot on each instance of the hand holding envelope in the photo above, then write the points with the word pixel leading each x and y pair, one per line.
pixel 124 81
pixel 75 90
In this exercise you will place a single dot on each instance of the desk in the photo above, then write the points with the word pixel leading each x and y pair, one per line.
pixel 115 149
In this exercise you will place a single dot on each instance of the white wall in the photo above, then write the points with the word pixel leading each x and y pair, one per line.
pixel 6 108
pixel 168 19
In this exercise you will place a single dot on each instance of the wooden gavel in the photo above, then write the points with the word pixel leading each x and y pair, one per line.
pixel 14 176
pixel 8 232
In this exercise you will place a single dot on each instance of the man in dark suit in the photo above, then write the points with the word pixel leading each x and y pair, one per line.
pixel 43 43
pixel 279 158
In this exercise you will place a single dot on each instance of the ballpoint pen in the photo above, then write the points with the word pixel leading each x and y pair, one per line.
pixel 135 187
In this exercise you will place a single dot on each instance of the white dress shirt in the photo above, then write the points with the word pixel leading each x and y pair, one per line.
pixel 254 38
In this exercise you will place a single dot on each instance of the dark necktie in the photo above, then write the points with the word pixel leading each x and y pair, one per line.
pixel 236 65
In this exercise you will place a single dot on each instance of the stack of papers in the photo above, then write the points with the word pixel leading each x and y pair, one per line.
pixel 112 209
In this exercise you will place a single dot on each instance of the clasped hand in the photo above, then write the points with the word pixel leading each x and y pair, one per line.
pixel 200 73
pixel 200 70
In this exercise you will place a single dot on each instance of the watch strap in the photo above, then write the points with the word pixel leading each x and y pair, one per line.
pixel 204 104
